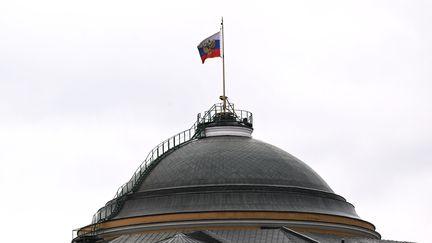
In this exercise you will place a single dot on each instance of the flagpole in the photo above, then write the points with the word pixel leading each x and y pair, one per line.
pixel 223 66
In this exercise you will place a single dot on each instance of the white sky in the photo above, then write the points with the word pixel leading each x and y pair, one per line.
pixel 87 88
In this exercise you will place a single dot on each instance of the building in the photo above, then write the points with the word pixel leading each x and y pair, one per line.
pixel 215 183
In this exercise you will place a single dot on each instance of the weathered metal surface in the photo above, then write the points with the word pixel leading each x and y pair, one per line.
pixel 231 160
pixel 230 174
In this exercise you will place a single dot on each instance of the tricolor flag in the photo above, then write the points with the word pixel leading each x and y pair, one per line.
pixel 210 47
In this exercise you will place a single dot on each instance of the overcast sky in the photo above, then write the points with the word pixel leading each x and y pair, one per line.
pixel 88 88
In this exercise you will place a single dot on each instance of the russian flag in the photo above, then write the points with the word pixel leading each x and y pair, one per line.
pixel 210 47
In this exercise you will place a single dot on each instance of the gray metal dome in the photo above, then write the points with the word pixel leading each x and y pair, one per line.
pixel 230 173
pixel 232 160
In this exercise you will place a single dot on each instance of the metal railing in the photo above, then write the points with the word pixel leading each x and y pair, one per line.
pixel 113 206
pixel 241 116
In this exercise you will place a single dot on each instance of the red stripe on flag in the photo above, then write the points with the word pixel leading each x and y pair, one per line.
pixel 214 53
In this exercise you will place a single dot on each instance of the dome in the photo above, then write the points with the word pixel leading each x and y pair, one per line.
pixel 216 175
pixel 229 173
pixel 232 160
